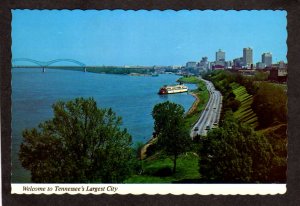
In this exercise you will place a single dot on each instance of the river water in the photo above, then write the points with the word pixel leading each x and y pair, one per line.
pixel 131 97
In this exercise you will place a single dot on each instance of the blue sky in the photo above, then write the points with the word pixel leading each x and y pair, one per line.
pixel 146 37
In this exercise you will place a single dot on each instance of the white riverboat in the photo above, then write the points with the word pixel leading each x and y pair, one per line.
pixel 173 89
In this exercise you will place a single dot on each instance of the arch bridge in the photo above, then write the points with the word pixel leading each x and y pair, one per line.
pixel 47 64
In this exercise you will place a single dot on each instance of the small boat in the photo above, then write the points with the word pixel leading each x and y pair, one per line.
pixel 173 89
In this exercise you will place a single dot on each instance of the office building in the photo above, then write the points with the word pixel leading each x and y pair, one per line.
pixel 204 64
pixel 191 65
pixel 238 62
pixel 267 59
pixel 211 65
pixel 282 65
pixel 260 65
pixel 220 63
pixel 220 56
pixel 228 64
pixel 247 57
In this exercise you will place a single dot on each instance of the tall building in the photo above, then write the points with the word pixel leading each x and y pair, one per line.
pixel 266 58
pixel 220 55
pixel 247 57
pixel 204 64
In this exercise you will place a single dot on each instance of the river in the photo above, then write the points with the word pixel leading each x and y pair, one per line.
pixel 131 97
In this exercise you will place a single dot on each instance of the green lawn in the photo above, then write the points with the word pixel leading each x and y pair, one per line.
pixel 190 80
pixel 187 169
pixel 244 113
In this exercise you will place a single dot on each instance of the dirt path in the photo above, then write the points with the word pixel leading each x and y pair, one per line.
pixel 195 104
pixel 144 149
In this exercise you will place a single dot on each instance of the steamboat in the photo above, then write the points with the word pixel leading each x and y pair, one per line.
pixel 173 89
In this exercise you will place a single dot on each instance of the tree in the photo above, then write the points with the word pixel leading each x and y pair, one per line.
pixel 270 104
pixel 169 127
pixel 82 143
pixel 235 153
pixel 278 139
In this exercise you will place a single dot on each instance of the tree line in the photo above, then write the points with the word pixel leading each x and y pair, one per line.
pixel 269 100
pixel 120 70
pixel 264 145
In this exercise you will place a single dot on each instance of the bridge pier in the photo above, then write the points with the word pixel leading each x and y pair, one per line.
pixel 44 69
pixel 84 69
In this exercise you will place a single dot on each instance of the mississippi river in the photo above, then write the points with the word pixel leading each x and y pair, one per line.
pixel 131 97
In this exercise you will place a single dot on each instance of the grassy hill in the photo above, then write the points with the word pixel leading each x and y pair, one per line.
pixel 244 113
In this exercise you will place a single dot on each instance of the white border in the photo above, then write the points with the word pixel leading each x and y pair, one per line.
pixel 151 189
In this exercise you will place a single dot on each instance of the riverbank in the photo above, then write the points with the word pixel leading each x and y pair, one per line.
pixel 201 94
pixel 195 104
pixel 156 167
pixel 201 97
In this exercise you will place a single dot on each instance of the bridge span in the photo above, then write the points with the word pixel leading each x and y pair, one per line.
pixel 46 64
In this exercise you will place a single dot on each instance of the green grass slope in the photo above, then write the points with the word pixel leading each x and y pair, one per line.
pixel 244 113
pixel 157 169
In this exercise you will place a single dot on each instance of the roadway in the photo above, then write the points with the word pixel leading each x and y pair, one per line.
pixel 210 116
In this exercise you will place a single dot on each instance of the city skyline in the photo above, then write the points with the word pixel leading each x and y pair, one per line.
pixel 146 37
pixel 245 60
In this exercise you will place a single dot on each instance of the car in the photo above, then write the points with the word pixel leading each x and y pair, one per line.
pixel 207 127
pixel 214 126
pixel 196 129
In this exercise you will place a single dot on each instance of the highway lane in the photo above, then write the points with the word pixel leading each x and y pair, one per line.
pixel 210 116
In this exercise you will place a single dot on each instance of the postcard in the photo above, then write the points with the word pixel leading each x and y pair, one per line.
pixel 149 102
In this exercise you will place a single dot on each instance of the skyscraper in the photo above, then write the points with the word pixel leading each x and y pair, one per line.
pixel 220 56
pixel 267 58
pixel 247 56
